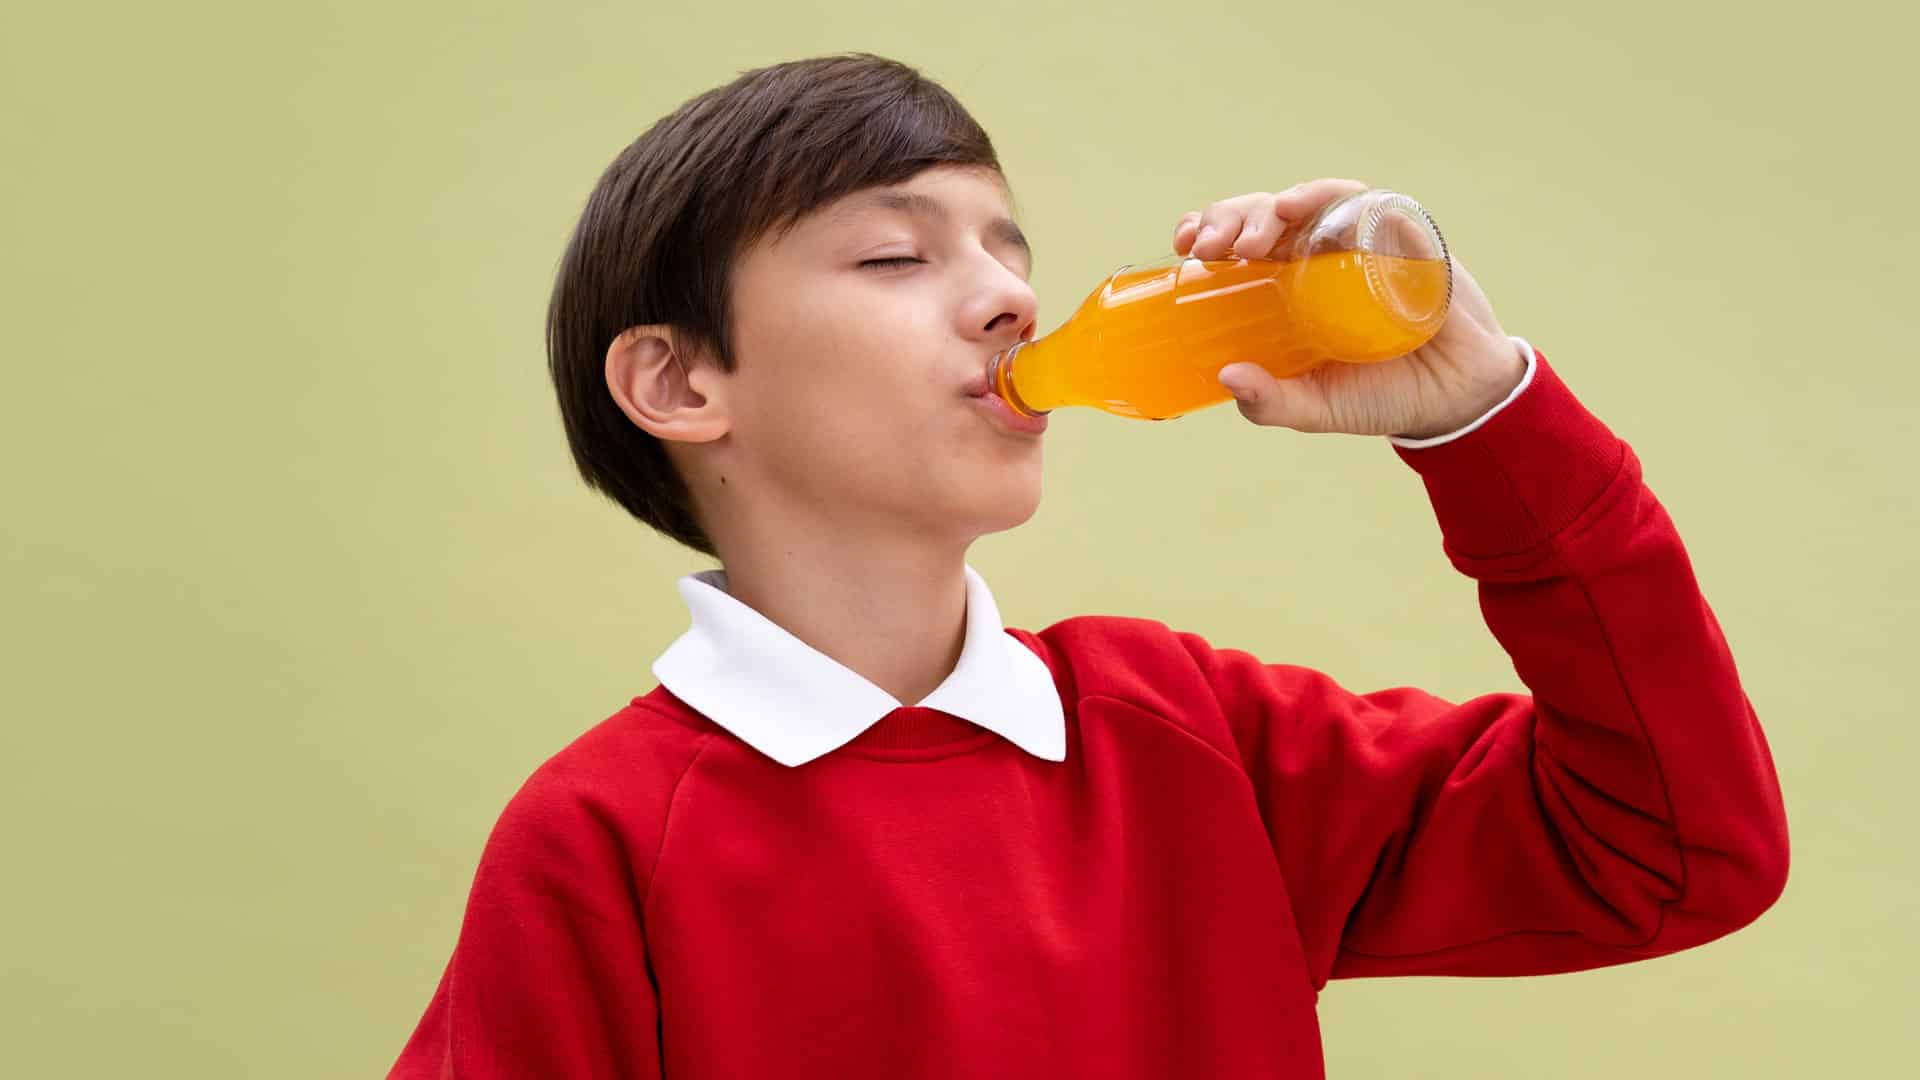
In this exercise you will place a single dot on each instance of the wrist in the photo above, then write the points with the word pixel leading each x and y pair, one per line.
pixel 1503 374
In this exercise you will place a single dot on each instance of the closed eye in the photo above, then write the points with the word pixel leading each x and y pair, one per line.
pixel 895 261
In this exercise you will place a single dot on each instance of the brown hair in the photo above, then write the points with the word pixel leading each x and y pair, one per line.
pixel 664 224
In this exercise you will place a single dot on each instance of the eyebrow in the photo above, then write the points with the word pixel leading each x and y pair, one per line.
pixel 919 205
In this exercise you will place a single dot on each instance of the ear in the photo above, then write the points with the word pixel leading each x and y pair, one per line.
pixel 659 391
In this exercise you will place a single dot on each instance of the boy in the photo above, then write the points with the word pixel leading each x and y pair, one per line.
pixel 1105 849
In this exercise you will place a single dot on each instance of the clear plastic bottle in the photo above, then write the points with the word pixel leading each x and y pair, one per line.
pixel 1366 279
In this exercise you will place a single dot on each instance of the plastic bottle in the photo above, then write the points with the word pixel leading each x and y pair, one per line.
pixel 1366 279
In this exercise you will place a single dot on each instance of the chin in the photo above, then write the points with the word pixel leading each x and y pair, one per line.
pixel 1015 503
pixel 980 495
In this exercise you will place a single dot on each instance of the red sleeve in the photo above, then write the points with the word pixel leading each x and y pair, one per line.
pixel 1627 808
pixel 550 975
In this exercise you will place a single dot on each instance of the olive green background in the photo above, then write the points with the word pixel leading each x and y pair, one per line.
pixel 299 583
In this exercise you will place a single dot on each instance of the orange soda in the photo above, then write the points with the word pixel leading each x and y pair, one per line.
pixel 1367 279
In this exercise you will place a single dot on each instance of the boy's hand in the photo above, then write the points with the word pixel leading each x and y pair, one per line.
pixel 1466 369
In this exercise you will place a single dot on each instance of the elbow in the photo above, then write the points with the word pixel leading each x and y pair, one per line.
pixel 1755 880
pixel 1768 873
pixel 1756 850
pixel 1727 887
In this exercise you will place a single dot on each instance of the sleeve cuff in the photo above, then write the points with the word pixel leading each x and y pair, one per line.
pixel 1435 440
pixel 1535 464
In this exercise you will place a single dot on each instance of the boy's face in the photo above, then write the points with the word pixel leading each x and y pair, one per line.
pixel 850 405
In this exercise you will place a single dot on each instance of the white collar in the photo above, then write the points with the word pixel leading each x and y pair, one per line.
pixel 794 703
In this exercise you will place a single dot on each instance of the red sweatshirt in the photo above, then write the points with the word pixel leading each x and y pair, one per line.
pixel 1221 837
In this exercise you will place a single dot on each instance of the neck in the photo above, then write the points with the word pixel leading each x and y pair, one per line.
pixel 894 614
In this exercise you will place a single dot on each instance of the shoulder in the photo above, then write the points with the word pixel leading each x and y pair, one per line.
pixel 604 798
pixel 1120 655
pixel 1140 661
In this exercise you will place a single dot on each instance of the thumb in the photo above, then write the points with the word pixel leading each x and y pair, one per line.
pixel 1243 380
pixel 1260 396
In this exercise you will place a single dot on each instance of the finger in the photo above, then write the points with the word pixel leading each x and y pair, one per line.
pixel 1303 200
pixel 1255 391
pixel 1185 231
pixel 1260 231
pixel 1270 402
pixel 1220 224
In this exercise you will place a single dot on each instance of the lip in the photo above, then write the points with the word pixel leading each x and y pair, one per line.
pixel 1003 414
pixel 983 382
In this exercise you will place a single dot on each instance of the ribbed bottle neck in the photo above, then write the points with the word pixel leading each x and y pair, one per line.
pixel 1001 376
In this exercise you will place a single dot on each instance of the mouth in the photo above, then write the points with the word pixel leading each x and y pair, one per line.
pixel 997 409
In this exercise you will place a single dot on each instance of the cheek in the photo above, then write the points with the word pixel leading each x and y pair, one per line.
pixel 845 385
pixel 854 366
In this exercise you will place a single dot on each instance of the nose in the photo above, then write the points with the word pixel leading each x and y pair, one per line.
pixel 1004 310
